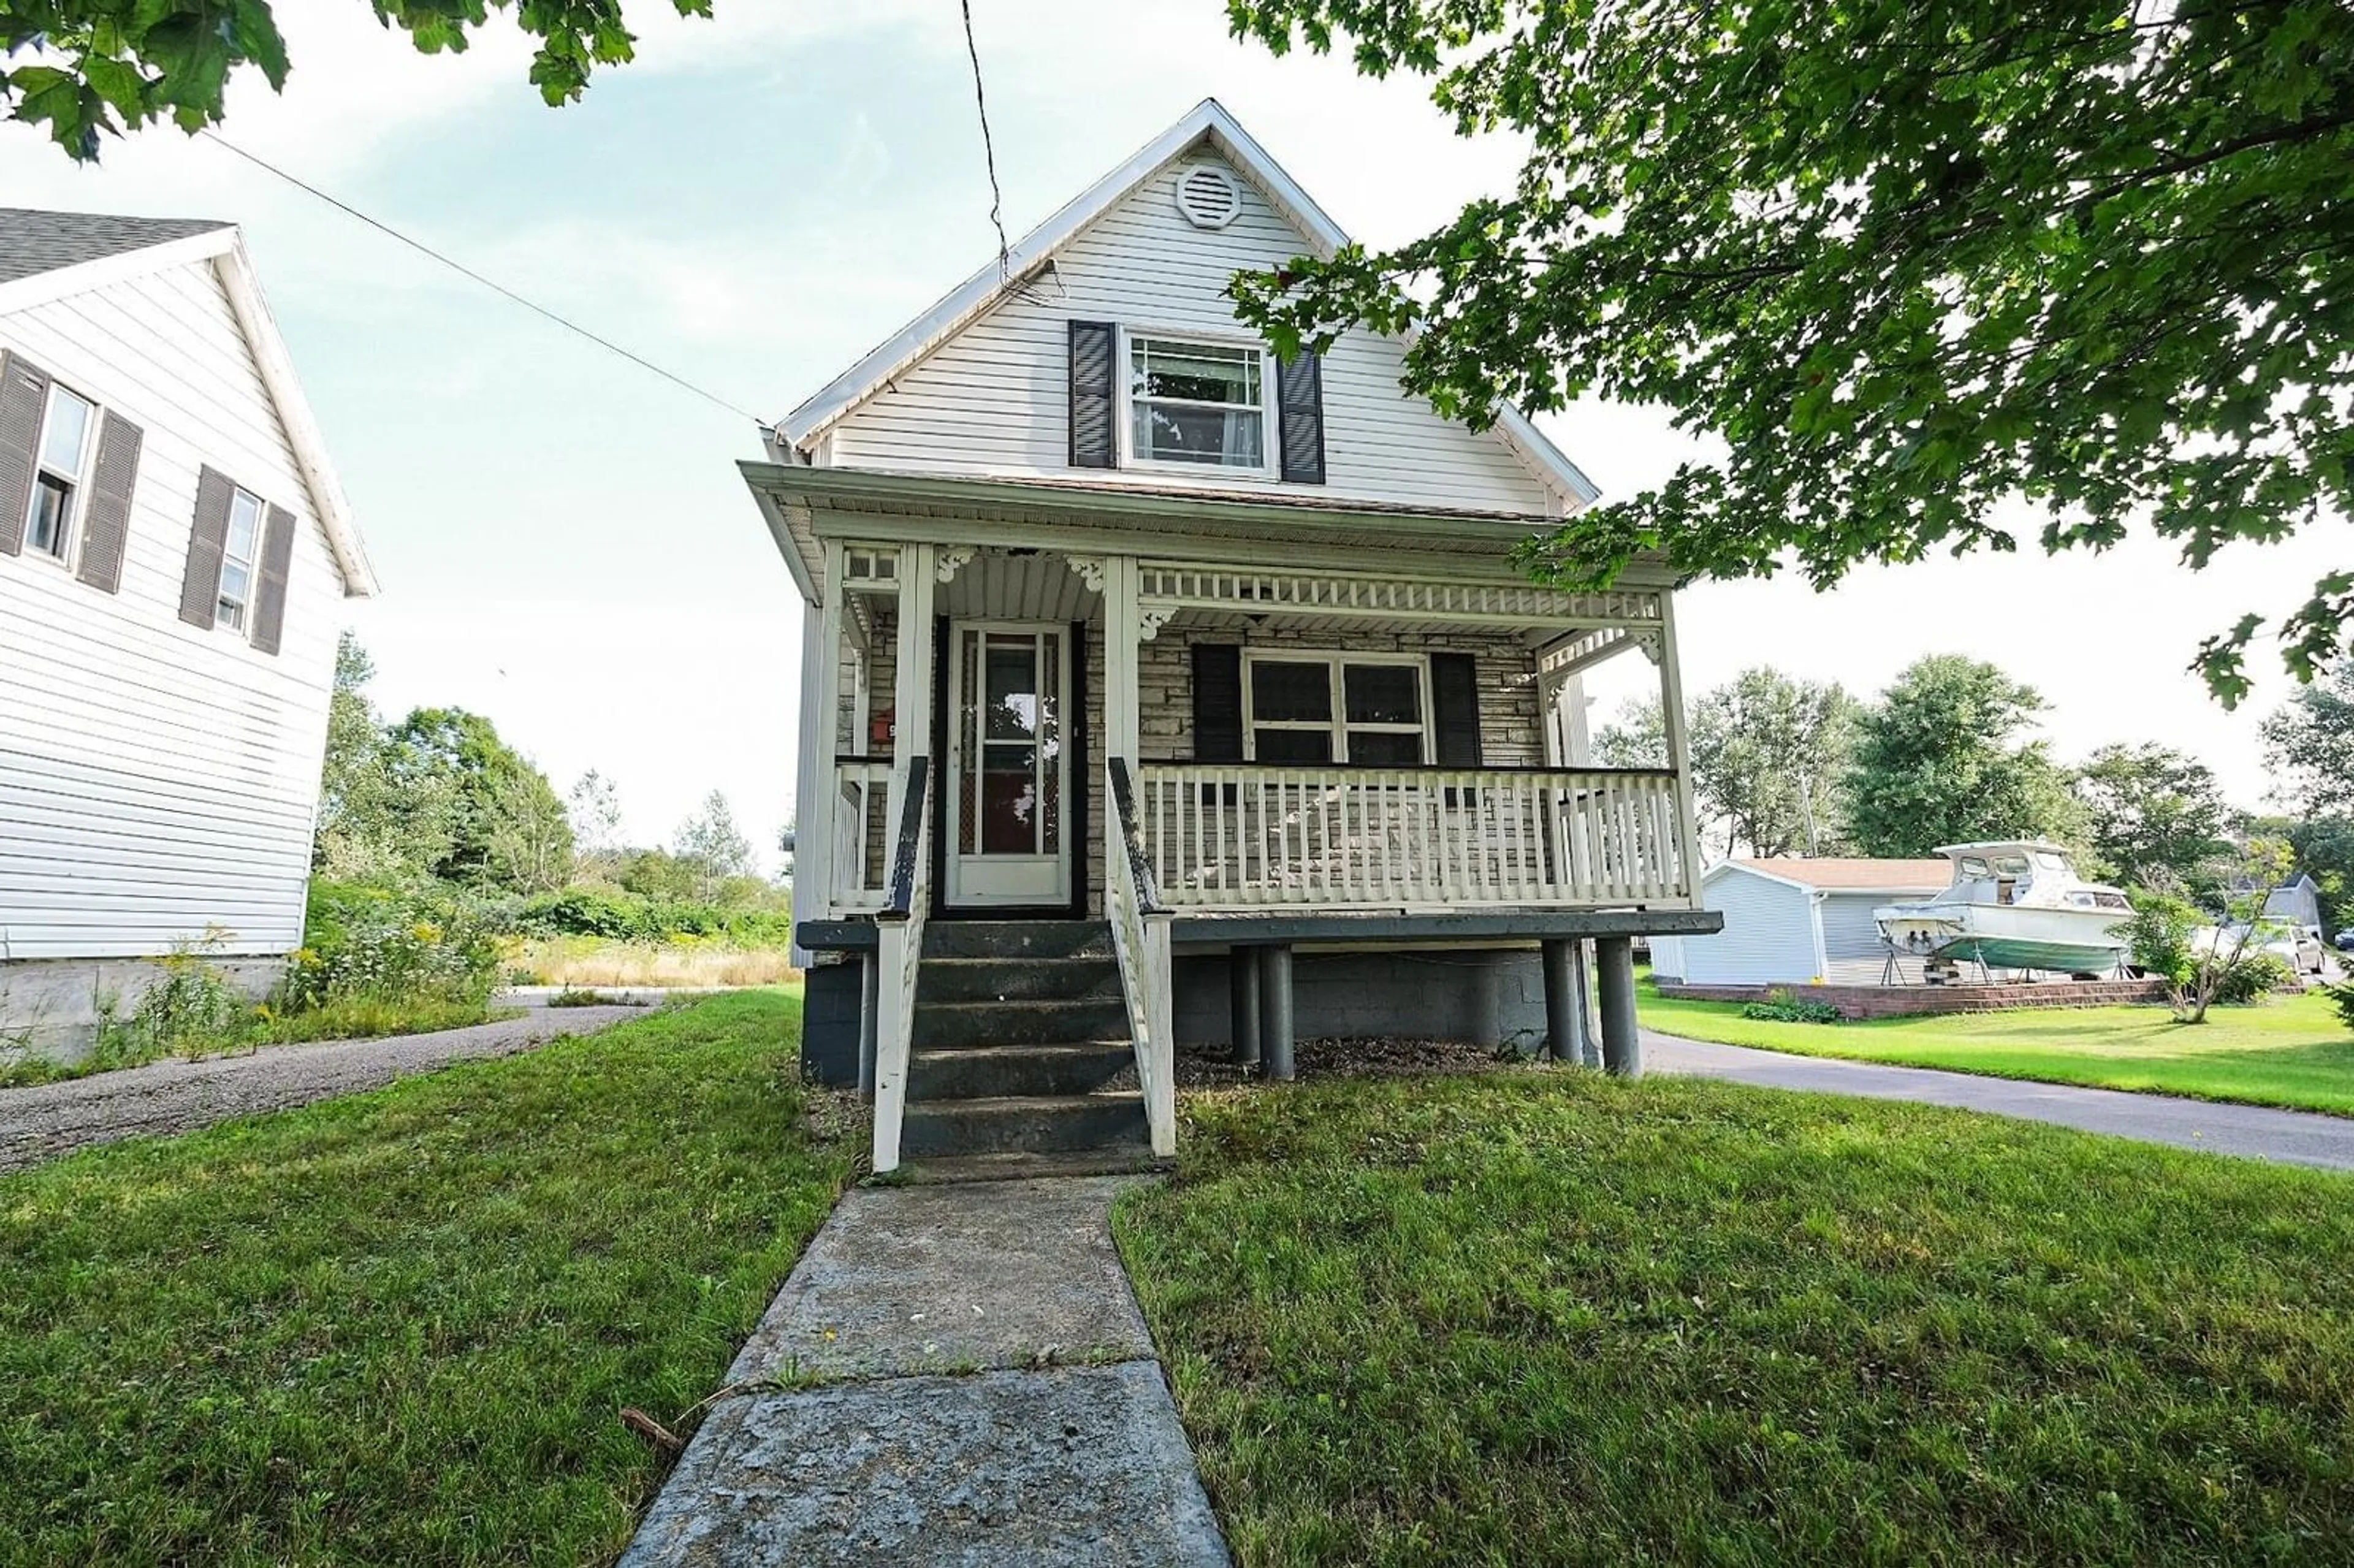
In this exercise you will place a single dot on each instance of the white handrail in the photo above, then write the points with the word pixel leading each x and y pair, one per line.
pixel 898 953
pixel 1140 934
pixel 1236 836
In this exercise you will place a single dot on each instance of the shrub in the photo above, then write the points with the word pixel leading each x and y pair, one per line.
pixel 388 945
pixel 2252 978
pixel 2158 937
pixel 626 916
pixel 1782 1007
pixel 193 1007
pixel 2341 997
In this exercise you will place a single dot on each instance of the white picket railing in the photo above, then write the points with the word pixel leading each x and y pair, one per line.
pixel 1245 836
pixel 862 828
pixel 1140 934
pixel 899 951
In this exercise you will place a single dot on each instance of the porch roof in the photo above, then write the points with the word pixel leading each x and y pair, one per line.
pixel 794 498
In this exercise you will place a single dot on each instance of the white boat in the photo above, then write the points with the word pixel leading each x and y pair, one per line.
pixel 2013 905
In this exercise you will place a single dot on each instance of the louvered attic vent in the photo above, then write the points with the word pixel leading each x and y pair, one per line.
pixel 1207 197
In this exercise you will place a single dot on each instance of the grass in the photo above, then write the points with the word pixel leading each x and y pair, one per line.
pixel 1536 1316
pixel 2288 1051
pixel 398 1327
pixel 589 961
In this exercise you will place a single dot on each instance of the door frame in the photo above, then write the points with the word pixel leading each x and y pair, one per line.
pixel 948 738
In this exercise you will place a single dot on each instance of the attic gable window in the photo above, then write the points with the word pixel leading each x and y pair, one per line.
pixel 67 425
pixel 1199 404
pixel 239 549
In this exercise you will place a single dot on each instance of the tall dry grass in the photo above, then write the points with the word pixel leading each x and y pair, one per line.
pixel 588 961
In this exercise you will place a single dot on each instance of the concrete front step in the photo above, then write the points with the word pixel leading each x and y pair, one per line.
pixel 1017 980
pixel 955 1025
pixel 1023 1124
pixel 1114 1160
pixel 1016 939
pixel 984 1072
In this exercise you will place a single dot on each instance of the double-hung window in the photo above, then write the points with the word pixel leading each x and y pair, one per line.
pixel 239 547
pixel 1317 707
pixel 62 461
pixel 1201 404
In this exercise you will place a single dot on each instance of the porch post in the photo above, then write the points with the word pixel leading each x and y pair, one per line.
pixel 818 793
pixel 870 1012
pixel 911 696
pixel 1275 1010
pixel 1122 634
pixel 1672 709
pixel 1561 998
pixel 1622 1047
pixel 1242 985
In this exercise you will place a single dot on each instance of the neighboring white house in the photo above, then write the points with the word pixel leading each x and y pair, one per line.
pixel 173 546
pixel 1790 921
pixel 1136 659
pixel 2298 903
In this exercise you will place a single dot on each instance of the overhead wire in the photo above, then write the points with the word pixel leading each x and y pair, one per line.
pixel 988 151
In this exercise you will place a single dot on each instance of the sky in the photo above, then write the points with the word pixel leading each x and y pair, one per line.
pixel 563 541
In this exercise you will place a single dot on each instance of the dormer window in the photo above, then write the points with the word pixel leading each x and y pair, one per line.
pixel 1198 404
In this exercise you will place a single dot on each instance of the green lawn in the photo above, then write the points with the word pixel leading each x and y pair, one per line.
pixel 1545 1317
pixel 398 1327
pixel 2290 1050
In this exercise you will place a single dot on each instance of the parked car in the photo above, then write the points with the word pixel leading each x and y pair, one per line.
pixel 2346 940
pixel 2298 947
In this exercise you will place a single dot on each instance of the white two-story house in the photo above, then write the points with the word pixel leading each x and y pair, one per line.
pixel 174 545
pixel 1157 689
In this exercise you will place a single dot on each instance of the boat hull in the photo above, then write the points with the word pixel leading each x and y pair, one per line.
pixel 2005 936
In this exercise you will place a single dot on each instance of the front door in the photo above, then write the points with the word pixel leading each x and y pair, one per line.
pixel 1009 771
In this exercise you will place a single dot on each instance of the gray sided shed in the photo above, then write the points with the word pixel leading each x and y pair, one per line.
pixel 1789 921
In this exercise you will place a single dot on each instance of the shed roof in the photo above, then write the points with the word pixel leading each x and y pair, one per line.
pixel 1835 875
pixel 33 241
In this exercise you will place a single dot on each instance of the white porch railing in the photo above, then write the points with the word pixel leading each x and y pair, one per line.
pixel 899 951
pixel 1244 836
pixel 1139 934
pixel 862 827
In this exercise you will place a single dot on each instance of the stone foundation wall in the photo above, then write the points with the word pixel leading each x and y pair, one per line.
pixel 1899 1001
pixel 52 1007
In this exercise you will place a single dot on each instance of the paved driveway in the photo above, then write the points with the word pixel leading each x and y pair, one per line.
pixel 2293 1137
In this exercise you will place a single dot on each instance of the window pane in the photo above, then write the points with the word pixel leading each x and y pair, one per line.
pixel 244 523
pixel 1385 748
pixel 46 529
pixel 1383 693
pixel 65 433
pixel 235 585
pixel 1287 691
pixel 1009 799
pixel 1166 433
pixel 1013 684
pixel 1203 372
pixel 1294 745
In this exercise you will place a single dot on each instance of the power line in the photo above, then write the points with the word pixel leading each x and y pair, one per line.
pixel 989 151
pixel 500 288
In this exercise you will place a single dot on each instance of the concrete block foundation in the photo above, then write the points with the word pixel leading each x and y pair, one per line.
pixel 53 1007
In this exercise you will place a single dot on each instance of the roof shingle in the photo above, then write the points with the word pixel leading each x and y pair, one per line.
pixel 1859 875
pixel 33 241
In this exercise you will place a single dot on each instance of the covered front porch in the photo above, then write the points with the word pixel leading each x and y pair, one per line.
pixel 1229 751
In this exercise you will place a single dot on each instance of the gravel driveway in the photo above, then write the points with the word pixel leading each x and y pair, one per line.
pixel 44 1122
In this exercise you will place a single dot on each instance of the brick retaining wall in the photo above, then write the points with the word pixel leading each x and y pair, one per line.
pixel 1896 1002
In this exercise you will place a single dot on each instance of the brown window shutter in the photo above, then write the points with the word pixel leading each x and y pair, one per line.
pixel 106 518
pixel 201 590
pixel 1299 404
pixel 1454 696
pixel 1094 433
pixel 270 602
pixel 24 393
pixel 1217 702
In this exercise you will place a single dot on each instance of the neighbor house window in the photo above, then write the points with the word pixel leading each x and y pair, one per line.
pixel 1201 403
pixel 68 423
pixel 239 548
pixel 1335 708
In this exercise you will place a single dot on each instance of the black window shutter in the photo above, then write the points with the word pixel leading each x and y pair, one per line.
pixel 1299 401
pixel 1095 438
pixel 1217 703
pixel 270 602
pixel 1454 699
pixel 201 590
pixel 106 520
pixel 24 392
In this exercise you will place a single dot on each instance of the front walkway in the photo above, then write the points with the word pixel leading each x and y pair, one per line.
pixel 2291 1137
pixel 953 1375
pixel 46 1120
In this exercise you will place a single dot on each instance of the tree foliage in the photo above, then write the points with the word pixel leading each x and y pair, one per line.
pixel 1910 263
pixel 1768 755
pixel 104 67
pixel 2310 743
pixel 2153 813
pixel 711 847
pixel 380 817
pixel 1938 761
pixel 510 830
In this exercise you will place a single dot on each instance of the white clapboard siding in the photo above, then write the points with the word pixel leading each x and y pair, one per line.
pixel 1849 929
pixel 995 398
pixel 158 782
pixel 1768 936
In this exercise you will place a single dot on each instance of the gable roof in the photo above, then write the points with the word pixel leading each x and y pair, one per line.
pixel 32 242
pixel 48 255
pixel 1834 874
pixel 1209 121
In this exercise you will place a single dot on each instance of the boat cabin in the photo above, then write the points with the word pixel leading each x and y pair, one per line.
pixel 1155 688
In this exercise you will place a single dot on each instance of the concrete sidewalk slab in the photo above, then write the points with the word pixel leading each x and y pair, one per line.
pixel 983 1274
pixel 1080 1465
pixel 2257 1132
